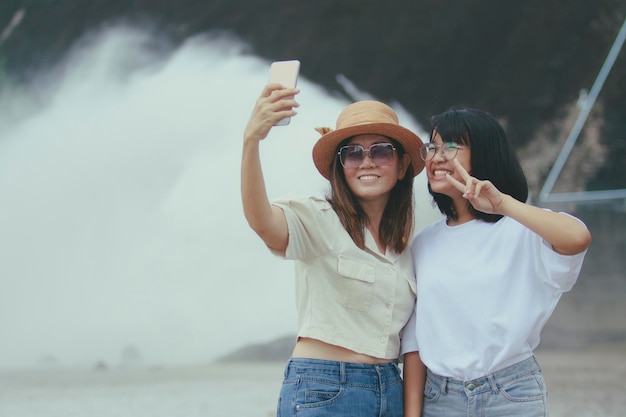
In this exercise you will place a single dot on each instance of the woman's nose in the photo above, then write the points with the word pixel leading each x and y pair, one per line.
pixel 439 154
pixel 367 161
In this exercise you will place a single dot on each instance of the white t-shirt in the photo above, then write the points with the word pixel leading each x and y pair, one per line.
pixel 485 291
pixel 356 298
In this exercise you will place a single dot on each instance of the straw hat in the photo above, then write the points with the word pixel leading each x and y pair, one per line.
pixel 364 117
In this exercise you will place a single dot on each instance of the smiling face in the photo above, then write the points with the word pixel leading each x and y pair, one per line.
pixel 370 182
pixel 439 166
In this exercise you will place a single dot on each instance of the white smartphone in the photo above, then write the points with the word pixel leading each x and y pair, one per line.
pixel 285 73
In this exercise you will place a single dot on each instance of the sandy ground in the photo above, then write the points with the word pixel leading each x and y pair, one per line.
pixel 581 383
pixel 585 383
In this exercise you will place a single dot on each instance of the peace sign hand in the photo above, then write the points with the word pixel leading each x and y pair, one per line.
pixel 482 194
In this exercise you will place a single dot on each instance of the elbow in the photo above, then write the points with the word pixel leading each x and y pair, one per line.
pixel 584 241
pixel 261 226
pixel 579 242
pixel 574 243
pixel 261 230
pixel 271 239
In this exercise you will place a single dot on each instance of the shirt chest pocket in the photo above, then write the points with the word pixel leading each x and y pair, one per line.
pixel 355 285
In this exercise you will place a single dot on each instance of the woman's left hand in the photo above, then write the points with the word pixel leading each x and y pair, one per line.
pixel 482 194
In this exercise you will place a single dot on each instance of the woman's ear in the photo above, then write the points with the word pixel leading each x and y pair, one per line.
pixel 403 165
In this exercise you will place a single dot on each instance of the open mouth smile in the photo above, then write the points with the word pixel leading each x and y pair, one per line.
pixel 441 172
pixel 368 177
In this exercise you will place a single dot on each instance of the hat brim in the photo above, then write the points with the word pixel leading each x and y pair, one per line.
pixel 325 149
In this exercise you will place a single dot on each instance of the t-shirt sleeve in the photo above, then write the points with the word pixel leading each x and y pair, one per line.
pixel 308 224
pixel 408 336
pixel 563 270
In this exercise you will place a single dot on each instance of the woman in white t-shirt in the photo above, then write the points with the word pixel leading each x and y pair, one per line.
pixel 489 275
pixel 355 284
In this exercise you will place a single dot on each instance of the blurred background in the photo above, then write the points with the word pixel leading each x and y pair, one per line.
pixel 122 240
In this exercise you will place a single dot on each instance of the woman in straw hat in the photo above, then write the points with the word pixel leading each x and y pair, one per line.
pixel 490 273
pixel 355 285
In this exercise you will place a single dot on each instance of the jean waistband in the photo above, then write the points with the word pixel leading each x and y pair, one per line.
pixel 488 382
pixel 341 371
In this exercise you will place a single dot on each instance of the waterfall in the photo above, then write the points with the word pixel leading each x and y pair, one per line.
pixel 120 214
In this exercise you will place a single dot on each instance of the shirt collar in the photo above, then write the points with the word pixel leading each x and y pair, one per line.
pixel 370 244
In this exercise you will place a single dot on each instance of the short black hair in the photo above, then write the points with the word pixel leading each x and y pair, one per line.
pixel 492 157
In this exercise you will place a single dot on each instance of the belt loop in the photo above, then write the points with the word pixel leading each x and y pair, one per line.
pixel 536 362
pixel 444 385
pixel 287 369
pixel 492 382
pixel 342 372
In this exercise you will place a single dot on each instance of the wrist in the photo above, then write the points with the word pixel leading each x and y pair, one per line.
pixel 250 141
pixel 506 205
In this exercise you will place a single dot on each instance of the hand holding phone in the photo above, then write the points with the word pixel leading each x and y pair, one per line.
pixel 285 73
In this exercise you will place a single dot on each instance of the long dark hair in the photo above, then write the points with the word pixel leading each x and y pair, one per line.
pixel 492 158
pixel 396 225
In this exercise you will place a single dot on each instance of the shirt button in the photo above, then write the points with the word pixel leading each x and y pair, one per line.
pixel 471 387
pixel 383 339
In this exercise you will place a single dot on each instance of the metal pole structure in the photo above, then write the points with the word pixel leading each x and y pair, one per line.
pixel 15 21
pixel 587 196
pixel 584 113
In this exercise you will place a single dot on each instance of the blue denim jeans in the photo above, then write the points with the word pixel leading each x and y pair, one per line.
pixel 314 387
pixel 518 390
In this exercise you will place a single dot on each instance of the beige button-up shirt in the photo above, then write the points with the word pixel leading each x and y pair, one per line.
pixel 346 296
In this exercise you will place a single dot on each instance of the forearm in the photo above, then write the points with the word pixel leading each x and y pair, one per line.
pixel 256 206
pixel 267 221
pixel 414 375
pixel 566 234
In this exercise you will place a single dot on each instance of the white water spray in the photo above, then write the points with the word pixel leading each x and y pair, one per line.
pixel 120 217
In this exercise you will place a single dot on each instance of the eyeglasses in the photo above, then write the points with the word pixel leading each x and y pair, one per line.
pixel 352 156
pixel 448 150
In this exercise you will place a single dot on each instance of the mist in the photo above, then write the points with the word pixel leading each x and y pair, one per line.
pixel 120 214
